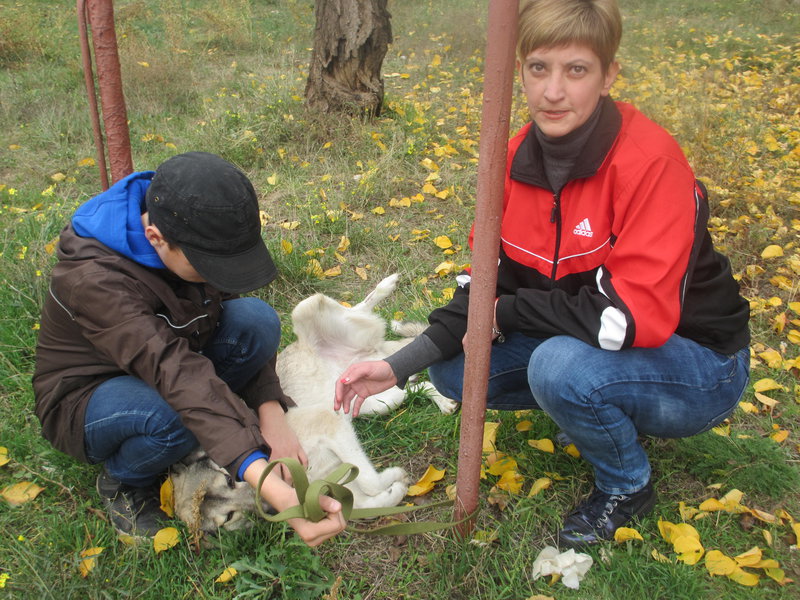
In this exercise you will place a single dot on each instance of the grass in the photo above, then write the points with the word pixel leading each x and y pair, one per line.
pixel 227 77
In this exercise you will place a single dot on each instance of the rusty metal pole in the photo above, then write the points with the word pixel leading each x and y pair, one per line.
pixel 88 80
pixel 497 87
pixel 109 77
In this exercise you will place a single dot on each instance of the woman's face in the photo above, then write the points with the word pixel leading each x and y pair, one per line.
pixel 563 86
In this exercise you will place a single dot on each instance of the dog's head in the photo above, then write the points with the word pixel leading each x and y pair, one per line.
pixel 207 498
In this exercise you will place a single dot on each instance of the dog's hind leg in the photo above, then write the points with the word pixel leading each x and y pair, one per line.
pixel 446 405
pixel 383 290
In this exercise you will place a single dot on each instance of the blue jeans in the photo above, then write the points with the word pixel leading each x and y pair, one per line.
pixel 137 434
pixel 604 399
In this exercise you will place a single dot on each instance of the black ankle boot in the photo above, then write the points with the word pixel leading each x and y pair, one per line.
pixel 600 515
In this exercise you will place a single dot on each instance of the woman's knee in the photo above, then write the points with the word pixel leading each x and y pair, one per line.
pixel 556 369
pixel 447 380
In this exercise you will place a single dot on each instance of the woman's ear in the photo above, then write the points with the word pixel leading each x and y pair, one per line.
pixel 610 78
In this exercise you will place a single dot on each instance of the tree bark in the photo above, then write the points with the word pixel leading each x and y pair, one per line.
pixel 350 41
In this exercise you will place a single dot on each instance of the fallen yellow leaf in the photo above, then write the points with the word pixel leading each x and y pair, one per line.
pixel 742 577
pixel 499 467
pixel 660 557
pixel 573 451
pixel 228 574
pixel 772 251
pixel 314 268
pixel 672 531
pixel 4 456
pixel 167 497
pixel 719 564
pixel 89 561
pixel 524 426
pixel 732 496
pixel 489 435
pixel 765 400
pixel 623 534
pixel 20 493
pixel 778 575
pixel 545 445
pixel 749 558
pixel 689 549
pixel 511 481
pixel 426 482
pixel 687 512
pixel 749 407
pixel 767 537
pixel 540 484
pixel 333 271
pixel 767 384
pixel 711 505
pixel 444 268
pixel 442 241
pixel 165 539
pixel 401 203
pixel 780 436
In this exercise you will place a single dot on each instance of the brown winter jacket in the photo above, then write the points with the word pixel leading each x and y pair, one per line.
pixel 107 316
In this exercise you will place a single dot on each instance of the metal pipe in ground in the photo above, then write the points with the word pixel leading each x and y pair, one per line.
pixel 496 110
pixel 88 79
pixel 109 77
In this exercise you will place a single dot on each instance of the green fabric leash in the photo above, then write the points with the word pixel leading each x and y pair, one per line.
pixel 333 485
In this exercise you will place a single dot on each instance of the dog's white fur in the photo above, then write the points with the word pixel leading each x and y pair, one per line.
pixel 330 337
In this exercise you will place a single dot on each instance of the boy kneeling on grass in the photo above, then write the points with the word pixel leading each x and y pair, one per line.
pixel 145 349
pixel 614 313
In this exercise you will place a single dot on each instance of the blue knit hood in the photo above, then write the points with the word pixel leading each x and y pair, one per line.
pixel 113 218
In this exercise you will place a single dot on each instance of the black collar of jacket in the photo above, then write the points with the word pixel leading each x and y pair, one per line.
pixel 527 165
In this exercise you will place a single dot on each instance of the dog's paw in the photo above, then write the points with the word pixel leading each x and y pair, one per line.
pixel 446 405
pixel 391 496
pixel 394 475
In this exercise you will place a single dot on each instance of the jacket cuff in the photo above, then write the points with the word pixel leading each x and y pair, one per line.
pixel 250 459
pixel 505 314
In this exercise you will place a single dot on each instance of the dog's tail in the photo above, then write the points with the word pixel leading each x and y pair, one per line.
pixel 383 290
pixel 408 329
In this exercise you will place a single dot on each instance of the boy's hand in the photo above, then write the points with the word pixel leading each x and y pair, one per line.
pixel 280 495
pixel 280 437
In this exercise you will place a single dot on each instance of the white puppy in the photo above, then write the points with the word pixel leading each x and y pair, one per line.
pixel 330 337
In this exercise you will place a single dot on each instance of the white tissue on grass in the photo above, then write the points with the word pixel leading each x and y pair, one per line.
pixel 571 565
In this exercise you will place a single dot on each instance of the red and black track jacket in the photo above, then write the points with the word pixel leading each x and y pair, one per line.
pixel 619 257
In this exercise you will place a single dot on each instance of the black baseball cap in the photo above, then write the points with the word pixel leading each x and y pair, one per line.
pixel 208 208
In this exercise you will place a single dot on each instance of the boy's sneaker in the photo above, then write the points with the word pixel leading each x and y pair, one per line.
pixel 133 511
pixel 600 515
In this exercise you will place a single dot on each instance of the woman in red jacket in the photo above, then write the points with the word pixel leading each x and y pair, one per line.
pixel 614 314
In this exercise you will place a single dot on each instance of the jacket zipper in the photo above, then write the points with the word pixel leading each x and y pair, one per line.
pixel 555 217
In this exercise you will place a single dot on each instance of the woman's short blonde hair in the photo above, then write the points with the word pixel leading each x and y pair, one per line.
pixel 553 23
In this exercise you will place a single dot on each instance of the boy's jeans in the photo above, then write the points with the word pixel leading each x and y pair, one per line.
pixel 604 399
pixel 138 435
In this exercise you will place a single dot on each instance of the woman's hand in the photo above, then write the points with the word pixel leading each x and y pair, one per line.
pixel 360 381
pixel 280 437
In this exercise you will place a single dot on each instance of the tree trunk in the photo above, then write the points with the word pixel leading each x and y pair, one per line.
pixel 350 41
